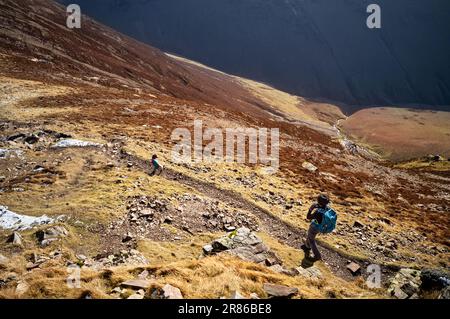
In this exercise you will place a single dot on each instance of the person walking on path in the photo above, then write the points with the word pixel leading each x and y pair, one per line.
pixel 323 220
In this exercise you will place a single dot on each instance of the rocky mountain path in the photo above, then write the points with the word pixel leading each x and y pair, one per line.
pixel 277 228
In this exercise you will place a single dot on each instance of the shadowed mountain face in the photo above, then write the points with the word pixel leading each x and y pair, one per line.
pixel 320 49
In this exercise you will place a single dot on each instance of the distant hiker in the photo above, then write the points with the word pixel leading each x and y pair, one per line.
pixel 156 167
pixel 323 221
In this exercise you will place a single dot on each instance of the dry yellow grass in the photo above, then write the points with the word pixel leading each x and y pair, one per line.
pixel 209 277
pixel 18 92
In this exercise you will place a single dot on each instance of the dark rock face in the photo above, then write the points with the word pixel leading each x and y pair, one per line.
pixel 315 48
pixel 434 279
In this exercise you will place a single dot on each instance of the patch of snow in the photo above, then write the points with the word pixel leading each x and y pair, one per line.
pixel 75 143
pixel 17 222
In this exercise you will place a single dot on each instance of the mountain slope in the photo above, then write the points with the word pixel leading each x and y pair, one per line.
pixel 319 49
pixel 76 134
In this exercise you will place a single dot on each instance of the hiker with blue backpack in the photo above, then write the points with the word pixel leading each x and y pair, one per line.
pixel 323 220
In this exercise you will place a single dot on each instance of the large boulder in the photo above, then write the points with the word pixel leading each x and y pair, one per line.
pixel 311 272
pixel 405 284
pixel 434 279
pixel 243 243
pixel 223 243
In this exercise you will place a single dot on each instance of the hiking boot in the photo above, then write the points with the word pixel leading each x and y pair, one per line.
pixel 314 258
pixel 305 249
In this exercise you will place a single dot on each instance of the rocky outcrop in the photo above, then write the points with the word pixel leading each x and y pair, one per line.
pixel 243 243
pixel 405 284
pixel 47 236
pixel 434 279
pixel 413 284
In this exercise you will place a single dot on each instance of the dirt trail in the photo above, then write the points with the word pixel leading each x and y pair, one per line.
pixel 277 228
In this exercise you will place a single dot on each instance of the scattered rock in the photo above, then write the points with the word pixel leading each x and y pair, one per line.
pixel 311 272
pixel 277 268
pixel 207 249
pixel 127 257
pixel 22 287
pixel 15 136
pixel 310 167
pixel 81 257
pixel 116 290
pixel 271 261
pixel 3 261
pixel 358 224
pixel 146 213
pixel 399 293
pixel 136 296
pixel 143 275
pixel 16 239
pixel 236 295
pixel 31 139
pixel 354 268
pixel 51 234
pixel 167 292
pixel 168 220
pixel 279 291
pixel 229 228
pixel 137 284
pixel 128 237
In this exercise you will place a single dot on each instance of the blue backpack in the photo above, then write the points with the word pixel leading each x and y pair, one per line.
pixel 329 218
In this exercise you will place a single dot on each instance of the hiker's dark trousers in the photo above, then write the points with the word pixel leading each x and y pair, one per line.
pixel 311 241
pixel 156 171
